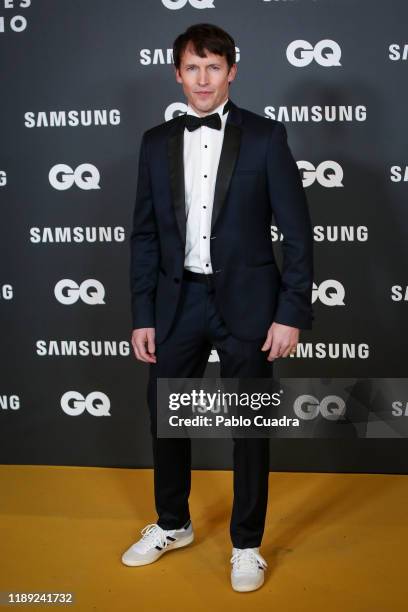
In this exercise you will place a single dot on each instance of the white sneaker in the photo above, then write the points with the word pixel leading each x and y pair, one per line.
pixel 155 542
pixel 248 569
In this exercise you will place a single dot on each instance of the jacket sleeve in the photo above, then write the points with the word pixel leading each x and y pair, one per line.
pixel 144 248
pixel 290 209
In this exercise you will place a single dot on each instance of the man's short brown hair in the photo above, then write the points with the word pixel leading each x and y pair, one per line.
pixel 205 36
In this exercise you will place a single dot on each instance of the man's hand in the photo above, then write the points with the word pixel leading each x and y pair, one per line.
pixel 140 338
pixel 281 339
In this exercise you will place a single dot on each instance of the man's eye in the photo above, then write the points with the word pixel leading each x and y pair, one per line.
pixel 193 67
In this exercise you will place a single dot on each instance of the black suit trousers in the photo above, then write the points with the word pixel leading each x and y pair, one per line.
pixel 197 328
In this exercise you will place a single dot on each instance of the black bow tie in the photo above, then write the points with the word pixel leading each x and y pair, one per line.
pixel 213 121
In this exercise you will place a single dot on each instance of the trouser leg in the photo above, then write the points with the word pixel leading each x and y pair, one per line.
pixel 250 455
pixel 183 354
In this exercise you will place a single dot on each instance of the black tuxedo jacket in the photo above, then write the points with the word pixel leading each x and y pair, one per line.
pixel 257 178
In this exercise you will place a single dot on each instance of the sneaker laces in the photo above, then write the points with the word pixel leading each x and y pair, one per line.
pixel 247 559
pixel 153 535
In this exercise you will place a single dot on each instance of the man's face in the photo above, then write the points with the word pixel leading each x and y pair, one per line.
pixel 205 80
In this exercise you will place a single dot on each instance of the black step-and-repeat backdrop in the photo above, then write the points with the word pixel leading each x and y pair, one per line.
pixel 81 81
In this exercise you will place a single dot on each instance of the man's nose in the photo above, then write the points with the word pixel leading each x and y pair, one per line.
pixel 202 78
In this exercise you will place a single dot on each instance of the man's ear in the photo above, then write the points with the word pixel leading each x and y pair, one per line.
pixel 177 75
pixel 232 73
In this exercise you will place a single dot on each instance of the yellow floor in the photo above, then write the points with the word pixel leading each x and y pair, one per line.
pixel 333 542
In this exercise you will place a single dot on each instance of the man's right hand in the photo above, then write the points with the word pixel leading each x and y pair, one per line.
pixel 143 344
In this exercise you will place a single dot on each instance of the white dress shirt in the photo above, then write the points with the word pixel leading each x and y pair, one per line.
pixel 202 149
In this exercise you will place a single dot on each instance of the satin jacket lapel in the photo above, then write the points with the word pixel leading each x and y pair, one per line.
pixel 176 170
pixel 228 157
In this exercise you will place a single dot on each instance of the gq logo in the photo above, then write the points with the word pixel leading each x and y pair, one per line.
pixel 91 291
pixel 328 173
pixel 96 403
pixel 330 292
pixel 85 176
pixel 308 407
pixel 6 292
pixel 175 109
pixel 301 53
pixel 178 4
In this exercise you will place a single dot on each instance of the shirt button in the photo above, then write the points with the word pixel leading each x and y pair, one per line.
pixel 205 176
pixel 204 237
pixel 206 265
pixel 205 146
pixel 204 207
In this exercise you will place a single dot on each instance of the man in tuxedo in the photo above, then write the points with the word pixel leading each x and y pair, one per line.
pixel 203 275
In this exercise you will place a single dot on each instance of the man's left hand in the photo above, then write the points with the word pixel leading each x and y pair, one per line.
pixel 281 340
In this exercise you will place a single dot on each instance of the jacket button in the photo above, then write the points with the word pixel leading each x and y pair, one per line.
pixel 176 280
